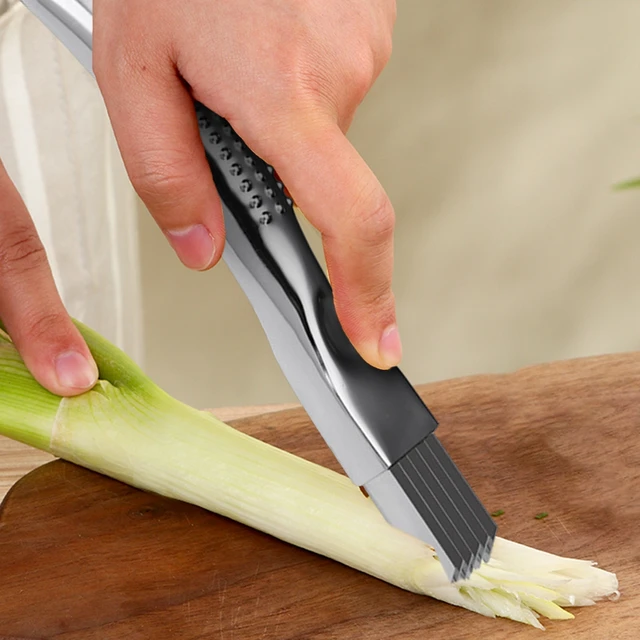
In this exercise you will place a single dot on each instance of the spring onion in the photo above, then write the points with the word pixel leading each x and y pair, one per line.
pixel 129 429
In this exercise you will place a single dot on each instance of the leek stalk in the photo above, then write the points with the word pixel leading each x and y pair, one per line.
pixel 129 429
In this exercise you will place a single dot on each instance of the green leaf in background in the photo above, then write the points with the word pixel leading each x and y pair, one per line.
pixel 628 184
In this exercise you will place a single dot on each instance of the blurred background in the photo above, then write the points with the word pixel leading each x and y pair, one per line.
pixel 498 130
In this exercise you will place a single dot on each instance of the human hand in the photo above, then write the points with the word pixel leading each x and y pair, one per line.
pixel 288 76
pixel 30 306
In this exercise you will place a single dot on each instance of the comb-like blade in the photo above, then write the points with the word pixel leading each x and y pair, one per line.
pixel 480 521
pixel 425 495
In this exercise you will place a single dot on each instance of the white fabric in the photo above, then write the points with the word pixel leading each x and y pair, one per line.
pixel 57 145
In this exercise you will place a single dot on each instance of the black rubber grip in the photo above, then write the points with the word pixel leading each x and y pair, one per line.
pixel 244 181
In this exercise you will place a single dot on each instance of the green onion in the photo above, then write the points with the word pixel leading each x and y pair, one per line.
pixel 540 516
pixel 129 429
pixel 498 513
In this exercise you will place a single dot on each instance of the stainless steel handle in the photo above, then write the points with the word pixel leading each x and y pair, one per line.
pixel 265 238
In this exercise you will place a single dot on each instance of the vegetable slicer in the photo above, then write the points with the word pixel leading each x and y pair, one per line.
pixel 374 422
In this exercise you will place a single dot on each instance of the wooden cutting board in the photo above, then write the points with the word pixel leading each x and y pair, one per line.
pixel 83 557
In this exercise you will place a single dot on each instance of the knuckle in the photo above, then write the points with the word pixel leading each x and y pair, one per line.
pixel 378 299
pixel 44 325
pixel 373 218
pixel 159 176
pixel 312 77
pixel 362 73
pixel 371 302
pixel 21 251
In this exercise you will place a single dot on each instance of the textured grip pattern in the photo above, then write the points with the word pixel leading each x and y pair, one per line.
pixel 246 177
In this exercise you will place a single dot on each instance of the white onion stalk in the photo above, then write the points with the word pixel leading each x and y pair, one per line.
pixel 129 429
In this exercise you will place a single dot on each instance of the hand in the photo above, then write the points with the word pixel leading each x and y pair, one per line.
pixel 30 307
pixel 288 75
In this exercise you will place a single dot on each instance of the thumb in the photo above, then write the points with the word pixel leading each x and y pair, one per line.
pixel 342 198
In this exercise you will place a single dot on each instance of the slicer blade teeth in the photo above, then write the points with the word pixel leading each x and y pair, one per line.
pixel 461 513
pixel 477 559
pixel 488 548
pixel 479 520
pixel 474 563
pixel 425 495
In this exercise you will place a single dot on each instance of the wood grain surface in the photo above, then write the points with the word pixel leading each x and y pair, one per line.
pixel 83 557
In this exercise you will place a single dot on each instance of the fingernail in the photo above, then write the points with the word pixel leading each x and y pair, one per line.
pixel 74 371
pixel 194 245
pixel 390 347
